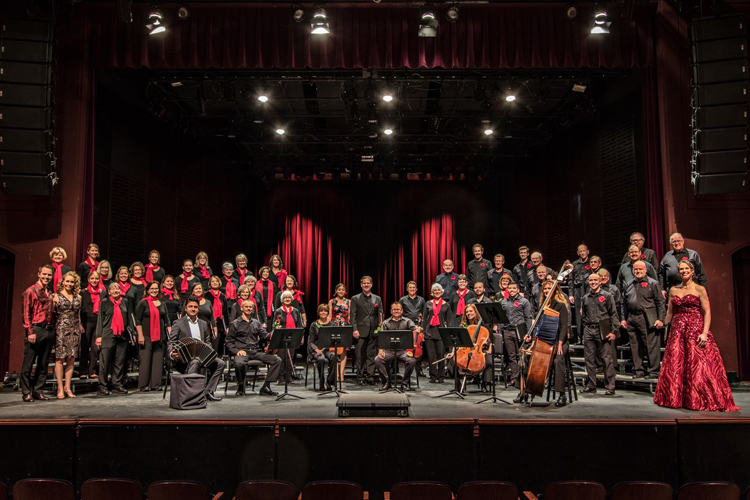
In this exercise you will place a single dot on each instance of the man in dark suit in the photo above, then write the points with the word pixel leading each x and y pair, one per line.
pixel 190 326
pixel 366 314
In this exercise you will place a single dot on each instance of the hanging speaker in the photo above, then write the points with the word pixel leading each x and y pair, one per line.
pixel 720 139
pixel 719 183
pixel 26 29
pixel 719 50
pixel 719 72
pixel 26 185
pixel 25 163
pixel 720 162
pixel 720 93
pixel 702 30
pixel 734 115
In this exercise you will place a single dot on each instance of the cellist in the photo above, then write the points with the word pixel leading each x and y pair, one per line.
pixel 396 322
pixel 469 318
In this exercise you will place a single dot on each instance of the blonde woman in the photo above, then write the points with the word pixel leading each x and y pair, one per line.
pixel 68 330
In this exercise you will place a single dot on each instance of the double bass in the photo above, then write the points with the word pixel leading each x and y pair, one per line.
pixel 544 345
pixel 418 339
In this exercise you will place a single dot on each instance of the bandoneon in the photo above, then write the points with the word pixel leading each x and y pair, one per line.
pixel 190 349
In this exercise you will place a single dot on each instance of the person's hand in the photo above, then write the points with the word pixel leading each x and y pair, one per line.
pixel 450 355
pixel 559 347
pixel 355 334
pixel 265 326
pixel 98 342
pixel 31 338
pixel 702 339
pixel 83 329
pixel 241 353
pixel 659 324
pixel 318 352
pixel 141 340
pixel 624 324
pixel 611 336
pixel 527 338
pixel 572 299
pixel 215 333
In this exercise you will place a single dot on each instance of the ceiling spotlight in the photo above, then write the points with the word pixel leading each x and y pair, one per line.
pixel 571 11
pixel 387 97
pixel 510 97
pixel 263 97
pixel 319 24
pixel 280 131
pixel 601 22
pixel 488 131
pixel 388 131
pixel 155 21
pixel 183 12
pixel 298 14
pixel 452 13
pixel 428 23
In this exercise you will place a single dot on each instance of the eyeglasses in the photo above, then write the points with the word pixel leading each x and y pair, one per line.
pixel 636 239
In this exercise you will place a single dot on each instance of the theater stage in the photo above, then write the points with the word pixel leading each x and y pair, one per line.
pixel 606 439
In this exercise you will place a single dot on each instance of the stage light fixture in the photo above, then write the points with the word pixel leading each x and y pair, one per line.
pixel 452 13
pixel 428 23
pixel 262 97
pixel 488 131
pixel 601 23
pixel 388 97
pixel 280 131
pixel 183 12
pixel 319 24
pixel 155 21
pixel 388 131
pixel 298 14
pixel 511 97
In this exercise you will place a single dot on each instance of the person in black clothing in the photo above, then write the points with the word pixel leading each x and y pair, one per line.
pixel 170 298
pixel 447 279
pixel 153 271
pixel 366 314
pixel 519 310
pixel 219 312
pixel 105 274
pixel 288 317
pixel 267 291
pixel 242 343
pixel 202 269
pixel 579 276
pixel 625 274
pixel 458 300
pixel 476 270
pixel 205 308
pixel 494 275
pixel 520 270
pixel 396 322
pixel 647 254
pixel 595 306
pixel 229 284
pixel 57 255
pixel 241 272
pixel 479 295
pixel 412 304
pixel 183 281
pixel 290 285
pixel 112 340
pixel 89 264
pixel 91 300
pixel 437 313
pixel 137 284
pixel 669 274
pixel 642 297
pixel 151 321
pixel 319 356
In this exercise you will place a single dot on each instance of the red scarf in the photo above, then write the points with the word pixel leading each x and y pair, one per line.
pixel 154 320
pixel 95 297
pixel 297 295
pixel 289 318
pixel 281 277
pixel 218 310
pixel 269 303
pixel 242 273
pixel 505 294
pixel 436 306
pixel 185 282
pixel 92 264
pixel 144 281
pixel 230 290
pixel 124 286
pixel 168 293
pixel 58 275
pixel 150 268
pixel 117 326
pixel 461 307
pixel 204 272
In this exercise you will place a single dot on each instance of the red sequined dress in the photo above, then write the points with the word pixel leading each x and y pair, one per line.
pixel 692 377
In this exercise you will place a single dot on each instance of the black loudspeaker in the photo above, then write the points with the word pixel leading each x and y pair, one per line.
pixel 22 72
pixel 720 50
pixel 25 163
pixel 721 93
pixel 28 118
pixel 34 185
pixel 734 115
pixel 25 51
pixel 12 94
pixel 720 162
pixel 719 183
pixel 718 139
pixel 26 29
pixel 719 72
pixel 718 28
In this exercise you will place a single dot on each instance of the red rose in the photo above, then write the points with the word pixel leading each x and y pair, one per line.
pixel 601 298
pixel 528 264
pixel 481 264
pixel 684 258
pixel 644 284
pixel 375 304
pixel 516 304
pixel 453 277
pixel 588 267
pixel 643 256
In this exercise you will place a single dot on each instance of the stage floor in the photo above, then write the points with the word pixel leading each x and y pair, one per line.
pixel 626 405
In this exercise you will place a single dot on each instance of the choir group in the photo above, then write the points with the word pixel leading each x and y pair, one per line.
pixel 104 315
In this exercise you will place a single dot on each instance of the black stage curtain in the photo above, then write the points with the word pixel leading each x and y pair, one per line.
pixel 741 275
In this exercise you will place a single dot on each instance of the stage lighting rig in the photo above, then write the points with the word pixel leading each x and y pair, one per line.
pixel 319 24
pixel 453 13
pixel 155 21
pixel 601 22
pixel 428 23
pixel 298 14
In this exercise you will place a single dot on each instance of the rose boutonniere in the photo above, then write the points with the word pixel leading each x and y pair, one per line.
pixel 601 298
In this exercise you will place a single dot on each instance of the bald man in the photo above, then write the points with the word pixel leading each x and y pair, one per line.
pixel 447 279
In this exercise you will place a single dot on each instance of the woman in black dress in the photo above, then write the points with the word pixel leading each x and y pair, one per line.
pixel 137 283
pixel 105 274
pixel 241 272
pixel 184 281
pixel 288 317
pixel 112 341
pixel 205 309
pixel 153 330
pixel 89 264
pixel 219 312
pixel 290 285
pixel 91 301
pixel 229 284
pixel 153 270
pixel 171 299
pixel 437 313
pixel 267 291
pixel 202 270
pixel 278 273
pixel 123 279
pixel 255 296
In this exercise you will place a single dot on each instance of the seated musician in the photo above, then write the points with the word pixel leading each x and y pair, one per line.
pixel 190 326
pixel 471 317
pixel 319 356
pixel 396 322
pixel 242 343
pixel 518 310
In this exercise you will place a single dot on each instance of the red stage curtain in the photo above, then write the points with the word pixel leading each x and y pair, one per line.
pixel 486 36
pixel 654 190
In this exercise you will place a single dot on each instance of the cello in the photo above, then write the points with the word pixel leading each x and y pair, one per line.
pixel 470 360
pixel 418 339
pixel 543 348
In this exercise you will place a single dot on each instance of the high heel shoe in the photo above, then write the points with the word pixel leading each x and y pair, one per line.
pixel 60 395
pixel 69 394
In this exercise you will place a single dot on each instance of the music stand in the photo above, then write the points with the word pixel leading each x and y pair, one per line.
pixel 335 337
pixel 456 338
pixel 286 338
pixel 393 340
pixel 493 313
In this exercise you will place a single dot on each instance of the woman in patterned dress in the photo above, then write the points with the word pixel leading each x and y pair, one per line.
pixel 339 307
pixel 68 330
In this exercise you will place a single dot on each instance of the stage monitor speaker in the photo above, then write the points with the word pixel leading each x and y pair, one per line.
pixel 719 183
pixel 12 94
pixel 28 118
pixel 719 139
pixel 720 162
pixel 719 50
pixel 719 72
pixel 24 51
pixel 26 29
pixel 703 30
pixel 720 93
pixel 36 141
pixel 34 185
pixel 25 163
pixel 734 115
pixel 20 72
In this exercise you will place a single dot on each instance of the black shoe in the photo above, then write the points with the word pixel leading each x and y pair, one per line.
pixel 385 386
pixel 521 398
pixel 328 388
pixel 83 377
pixel 405 387
pixel 370 381
pixel 211 396
pixel 120 390
pixel 433 380
pixel 637 375
pixel 652 376
pixel 610 392
pixel 589 390
pixel 361 382
pixel 561 401
pixel 145 389
pixel 103 392
pixel 266 391
pixel 441 380
pixel 27 398
pixel 38 395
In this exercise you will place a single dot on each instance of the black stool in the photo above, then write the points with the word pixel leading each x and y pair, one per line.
pixel 570 382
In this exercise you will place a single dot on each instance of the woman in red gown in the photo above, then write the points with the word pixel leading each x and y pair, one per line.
pixel 692 373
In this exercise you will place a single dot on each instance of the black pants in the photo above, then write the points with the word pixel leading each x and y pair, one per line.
pixel 511 349
pixel 286 370
pixel 241 364
pixel 151 356
pixel 39 351
pixel 559 364
pixel 112 364
pixel 644 340
pixel 89 351
pixel 391 355
pixel 218 342
pixel 592 343
pixel 215 369
pixel 320 361
pixel 576 310
pixel 435 350
pixel 366 351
